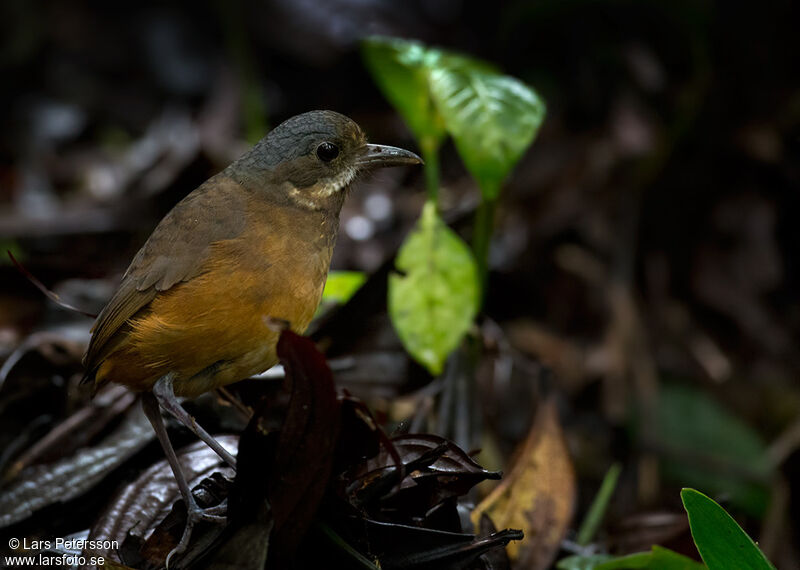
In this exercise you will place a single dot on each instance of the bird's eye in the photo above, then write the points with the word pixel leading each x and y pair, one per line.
pixel 326 151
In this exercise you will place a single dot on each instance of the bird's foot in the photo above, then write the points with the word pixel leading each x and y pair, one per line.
pixel 194 514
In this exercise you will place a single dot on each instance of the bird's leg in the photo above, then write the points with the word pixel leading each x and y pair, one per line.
pixel 165 394
pixel 194 512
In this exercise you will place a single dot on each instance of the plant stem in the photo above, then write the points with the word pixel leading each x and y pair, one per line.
pixel 430 154
pixel 594 517
pixel 482 235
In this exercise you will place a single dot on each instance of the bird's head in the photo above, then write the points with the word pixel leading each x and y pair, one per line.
pixel 312 158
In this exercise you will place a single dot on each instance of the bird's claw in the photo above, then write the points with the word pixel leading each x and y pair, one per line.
pixel 194 514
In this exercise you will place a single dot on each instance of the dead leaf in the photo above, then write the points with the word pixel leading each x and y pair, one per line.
pixel 306 445
pixel 140 508
pixel 399 546
pixel 38 486
pixel 538 496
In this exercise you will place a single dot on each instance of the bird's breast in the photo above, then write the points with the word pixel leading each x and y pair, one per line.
pixel 219 326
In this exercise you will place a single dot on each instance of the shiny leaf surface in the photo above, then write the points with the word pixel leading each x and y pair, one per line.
pixel 720 540
pixel 433 301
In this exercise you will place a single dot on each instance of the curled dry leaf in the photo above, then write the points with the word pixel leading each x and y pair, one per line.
pixel 435 470
pixel 538 495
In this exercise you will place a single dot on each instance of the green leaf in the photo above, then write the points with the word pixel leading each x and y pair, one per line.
pixel 594 517
pixel 720 540
pixel 637 560
pixel 666 559
pixel 432 304
pixel 657 559
pixel 400 68
pixel 341 285
pixel 493 118
pixel 582 562
pixel 704 445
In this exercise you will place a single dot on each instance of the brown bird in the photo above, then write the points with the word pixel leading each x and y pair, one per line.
pixel 250 246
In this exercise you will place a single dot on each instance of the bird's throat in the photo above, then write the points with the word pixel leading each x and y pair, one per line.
pixel 326 195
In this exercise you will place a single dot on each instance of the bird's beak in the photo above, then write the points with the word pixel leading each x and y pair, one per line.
pixel 379 155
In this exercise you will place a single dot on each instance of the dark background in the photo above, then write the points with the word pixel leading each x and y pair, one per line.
pixel 651 227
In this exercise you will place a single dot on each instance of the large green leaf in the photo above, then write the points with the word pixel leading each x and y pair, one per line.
pixel 720 540
pixel 704 445
pixel 400 68
pixel 493 118
pixel 432 304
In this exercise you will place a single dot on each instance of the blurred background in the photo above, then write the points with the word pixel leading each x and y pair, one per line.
pixel 645 269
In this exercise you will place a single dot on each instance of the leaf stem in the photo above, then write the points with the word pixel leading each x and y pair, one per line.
pixel 430 154
pixel 481 237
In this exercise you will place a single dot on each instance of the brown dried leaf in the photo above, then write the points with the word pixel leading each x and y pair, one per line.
pixel 538 495
pixel 77 430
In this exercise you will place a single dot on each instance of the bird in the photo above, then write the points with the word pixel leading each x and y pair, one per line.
pixel 249 247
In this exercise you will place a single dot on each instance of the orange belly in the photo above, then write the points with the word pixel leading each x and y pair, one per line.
pixel 212 330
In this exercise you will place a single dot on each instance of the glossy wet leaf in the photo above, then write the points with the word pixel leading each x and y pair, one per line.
pixel 400 68
pixel 209 492
pixel 706 446
pixel 720 540
pixel 78 430
pixel 305 446
pixel 38 486
pixel 492 117
pixel 538 494
pixel 141 506
pixel 433 300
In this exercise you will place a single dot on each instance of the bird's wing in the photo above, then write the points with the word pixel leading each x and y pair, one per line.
pixel 175 252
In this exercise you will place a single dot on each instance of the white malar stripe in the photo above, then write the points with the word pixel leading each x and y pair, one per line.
pixel 338 182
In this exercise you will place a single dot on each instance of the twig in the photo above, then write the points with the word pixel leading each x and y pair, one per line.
pixel 47 292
